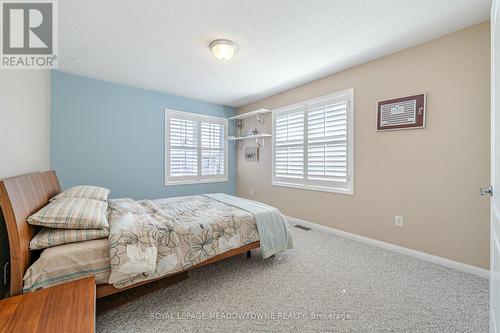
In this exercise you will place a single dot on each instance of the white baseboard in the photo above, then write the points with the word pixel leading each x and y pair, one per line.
pixel 395 248
pixel 493 326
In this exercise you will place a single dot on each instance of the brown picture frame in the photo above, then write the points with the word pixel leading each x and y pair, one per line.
pixel 420 110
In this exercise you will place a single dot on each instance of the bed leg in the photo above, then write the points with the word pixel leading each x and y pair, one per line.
pixel 249 254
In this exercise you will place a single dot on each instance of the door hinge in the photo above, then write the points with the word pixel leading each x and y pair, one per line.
pixel 486 190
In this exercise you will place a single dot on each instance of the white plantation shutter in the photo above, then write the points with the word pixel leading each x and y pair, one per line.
pixel 212 149
pixel 289 145
pixel 195 148
pixel 313 144
pixel 327 142
pixel 183 161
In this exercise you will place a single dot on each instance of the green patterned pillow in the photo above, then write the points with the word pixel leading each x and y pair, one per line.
pixel 48 237
pixel 84 191
pixel 72 213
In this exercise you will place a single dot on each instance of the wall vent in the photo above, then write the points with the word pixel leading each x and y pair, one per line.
pixel 298 226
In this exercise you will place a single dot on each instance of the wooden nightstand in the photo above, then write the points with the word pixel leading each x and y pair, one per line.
pixel 68 307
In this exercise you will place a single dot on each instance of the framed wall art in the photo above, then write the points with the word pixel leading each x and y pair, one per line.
pixel 252 154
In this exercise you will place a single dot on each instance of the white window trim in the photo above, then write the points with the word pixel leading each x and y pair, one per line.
pixel 199 179
pixel 350 145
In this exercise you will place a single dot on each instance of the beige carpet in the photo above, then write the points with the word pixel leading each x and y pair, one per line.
pixel 326 283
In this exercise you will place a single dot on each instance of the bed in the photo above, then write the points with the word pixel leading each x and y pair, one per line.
pixel 23 195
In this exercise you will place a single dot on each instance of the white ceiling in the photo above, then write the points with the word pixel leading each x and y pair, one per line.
pixel 163 44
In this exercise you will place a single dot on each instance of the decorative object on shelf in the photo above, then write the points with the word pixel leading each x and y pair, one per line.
pixel 401 113
pixel 251 131
pixel 252 154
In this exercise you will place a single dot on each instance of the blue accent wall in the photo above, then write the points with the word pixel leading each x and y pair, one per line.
pixel 113 136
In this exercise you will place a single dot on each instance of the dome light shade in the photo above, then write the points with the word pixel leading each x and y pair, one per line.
pixel 223 49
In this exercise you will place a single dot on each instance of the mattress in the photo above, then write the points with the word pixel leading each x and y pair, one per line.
pixel 69 262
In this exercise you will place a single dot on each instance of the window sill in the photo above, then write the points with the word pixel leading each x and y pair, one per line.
pixel 315 188
pixel 196 181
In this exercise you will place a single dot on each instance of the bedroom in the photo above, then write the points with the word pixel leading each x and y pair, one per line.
pixel 265 165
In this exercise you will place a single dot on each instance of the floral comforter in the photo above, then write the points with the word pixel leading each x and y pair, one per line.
pixel 152 238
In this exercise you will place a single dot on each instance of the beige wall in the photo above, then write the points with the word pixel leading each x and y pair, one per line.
pixel 429 176
pixel 24 121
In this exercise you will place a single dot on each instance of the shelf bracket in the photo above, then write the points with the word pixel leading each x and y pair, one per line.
pixel 237 144
pixel 259 119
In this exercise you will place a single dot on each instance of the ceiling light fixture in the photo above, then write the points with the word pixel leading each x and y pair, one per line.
pixel 223 49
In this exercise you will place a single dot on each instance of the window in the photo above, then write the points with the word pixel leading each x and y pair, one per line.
pixel 313 144
pixel 196 148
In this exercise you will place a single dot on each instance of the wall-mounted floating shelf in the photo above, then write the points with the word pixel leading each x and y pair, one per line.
pixel 251 114
pixel 238 120
pixel 235 139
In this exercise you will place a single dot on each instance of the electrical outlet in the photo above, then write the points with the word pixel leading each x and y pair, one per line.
pixel 251 191
pixel 398 221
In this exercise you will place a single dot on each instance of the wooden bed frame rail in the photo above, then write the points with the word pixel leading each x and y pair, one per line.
pixel 104 290
pixel 24 195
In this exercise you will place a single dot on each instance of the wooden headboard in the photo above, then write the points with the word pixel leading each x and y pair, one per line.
pixel 20 197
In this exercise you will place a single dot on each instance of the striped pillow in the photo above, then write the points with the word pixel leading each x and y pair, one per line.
pixel 48 237
pixel 84 191
pixel 68 262
pixel 72 213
